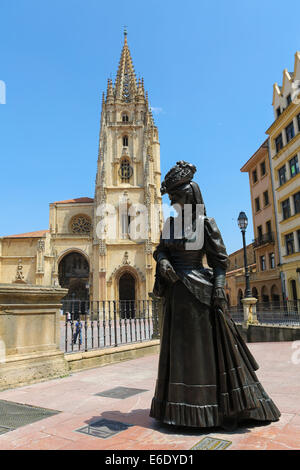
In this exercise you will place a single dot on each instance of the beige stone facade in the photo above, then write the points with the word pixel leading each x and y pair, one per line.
pixel 284 147
pixel 235 275
pixel 265 282
pixel 274 177
pixel 71 253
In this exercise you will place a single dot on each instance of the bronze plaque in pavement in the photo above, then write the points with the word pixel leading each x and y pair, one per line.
pixel 211 443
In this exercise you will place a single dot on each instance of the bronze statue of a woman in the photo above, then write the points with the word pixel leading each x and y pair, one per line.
pixel 206 375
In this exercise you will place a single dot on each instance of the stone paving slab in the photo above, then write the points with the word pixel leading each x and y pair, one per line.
pixel 75 396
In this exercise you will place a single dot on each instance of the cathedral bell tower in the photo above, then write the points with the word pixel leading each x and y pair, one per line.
pixel 127 184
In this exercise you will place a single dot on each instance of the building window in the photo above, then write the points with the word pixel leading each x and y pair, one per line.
pixel 272 260
pixel 286 209
pixel 289 244
pixel 125 141
pixel 269 227
pixel 294 289
pixel 259 232
pixel 279 142
pixel 297 202
pixel 266 198
pixel 254 176
pixel 263 168
pixel 263 263
pixel 125 171
pixel 125 118
pixel 294 167
pixel 289 132
pixel 288 99
pixel 282 175
pixel 298 122
pixel 278 111
pixel 257 204
pixel 298 236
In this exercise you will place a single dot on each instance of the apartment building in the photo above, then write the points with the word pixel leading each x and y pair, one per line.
pixel 284 156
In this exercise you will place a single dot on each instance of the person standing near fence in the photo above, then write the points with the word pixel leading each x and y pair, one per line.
pixel 78 332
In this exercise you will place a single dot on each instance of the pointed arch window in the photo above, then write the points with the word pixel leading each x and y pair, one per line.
pixel 125 170
pixel 125 117
pixel 125 140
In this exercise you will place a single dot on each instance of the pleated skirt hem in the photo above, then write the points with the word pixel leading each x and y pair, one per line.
pixel 182 414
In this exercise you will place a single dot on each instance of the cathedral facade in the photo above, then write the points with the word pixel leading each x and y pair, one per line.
pixel 89 247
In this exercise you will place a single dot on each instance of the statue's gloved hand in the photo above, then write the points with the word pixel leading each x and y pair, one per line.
pixel 219 298
pixel 167 271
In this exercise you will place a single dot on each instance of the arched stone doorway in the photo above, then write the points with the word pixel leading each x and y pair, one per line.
pixel 264 294
pixel 239 298
pixel 293 287
pixel 73 272
pixel 275 294
pixel 254 292
pixel 127 295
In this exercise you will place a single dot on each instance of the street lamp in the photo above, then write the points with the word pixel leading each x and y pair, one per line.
pixel 243 223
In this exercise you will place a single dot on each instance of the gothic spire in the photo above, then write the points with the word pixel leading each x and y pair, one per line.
pixel 125 85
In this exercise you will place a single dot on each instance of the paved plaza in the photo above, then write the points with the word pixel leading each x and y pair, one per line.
pixel 75 397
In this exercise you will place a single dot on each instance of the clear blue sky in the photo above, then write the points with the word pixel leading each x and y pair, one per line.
pixel 209 66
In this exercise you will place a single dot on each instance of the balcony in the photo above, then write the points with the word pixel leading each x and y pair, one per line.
pixel 264 239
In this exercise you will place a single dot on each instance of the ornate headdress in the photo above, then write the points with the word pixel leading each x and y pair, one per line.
pixel 179 175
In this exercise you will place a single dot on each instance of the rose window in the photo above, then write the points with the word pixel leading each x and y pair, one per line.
pixel 81 224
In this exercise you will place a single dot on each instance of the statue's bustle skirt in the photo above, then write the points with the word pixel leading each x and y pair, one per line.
pixel 206 371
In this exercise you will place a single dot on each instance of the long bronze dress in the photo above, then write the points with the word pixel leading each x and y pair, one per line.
pixel 206 371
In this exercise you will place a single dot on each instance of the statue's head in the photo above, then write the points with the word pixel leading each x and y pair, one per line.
pixel 179 186
pixel 179 176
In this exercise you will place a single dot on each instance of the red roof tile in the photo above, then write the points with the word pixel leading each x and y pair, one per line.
pixel 37 234
pixel 76 200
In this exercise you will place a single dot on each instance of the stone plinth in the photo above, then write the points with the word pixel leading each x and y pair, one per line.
pixel 30 334
pixel 250 317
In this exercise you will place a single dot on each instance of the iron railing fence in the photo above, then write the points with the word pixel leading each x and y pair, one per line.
pixel 91 325
pixel 108 323
pixel 276 313
pixel 264 238
pixel 281 312
pixel 237 313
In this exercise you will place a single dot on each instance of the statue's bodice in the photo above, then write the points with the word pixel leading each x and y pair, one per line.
pixel 188 263
pixel 184 259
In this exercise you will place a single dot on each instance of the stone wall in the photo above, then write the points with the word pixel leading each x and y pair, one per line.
pixel 269 333
pixel 102 357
